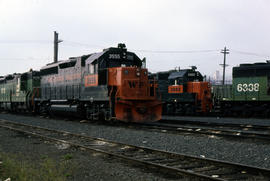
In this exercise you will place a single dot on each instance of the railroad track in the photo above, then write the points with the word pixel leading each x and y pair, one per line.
pixel 250 127
pixel 225 131
pixel 169 125
pixel 184 165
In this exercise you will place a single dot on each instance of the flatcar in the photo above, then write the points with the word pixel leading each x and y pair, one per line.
pixel 184 92
pixel 249 94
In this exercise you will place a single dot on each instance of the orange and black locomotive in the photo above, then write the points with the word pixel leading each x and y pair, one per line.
pixel 110 84
pixel 184 92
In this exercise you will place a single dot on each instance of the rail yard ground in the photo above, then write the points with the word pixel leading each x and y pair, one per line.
pixel 27 158
pixel 41 158
pixel 226 120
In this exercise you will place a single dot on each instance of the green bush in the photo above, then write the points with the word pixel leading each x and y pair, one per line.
pixel 45 169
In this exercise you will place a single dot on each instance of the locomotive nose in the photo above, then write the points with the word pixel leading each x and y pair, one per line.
pixel 141 110
pixel 138 111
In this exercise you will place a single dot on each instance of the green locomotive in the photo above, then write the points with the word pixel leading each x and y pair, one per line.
pixel 18 91
pixel 249 93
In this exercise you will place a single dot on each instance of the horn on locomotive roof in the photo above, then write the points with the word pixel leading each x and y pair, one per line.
pixel 144 62
pixel 177 68
pixel 193 67
pixel 122 46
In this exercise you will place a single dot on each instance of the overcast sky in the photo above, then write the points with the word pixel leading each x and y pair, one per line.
pixel 145 26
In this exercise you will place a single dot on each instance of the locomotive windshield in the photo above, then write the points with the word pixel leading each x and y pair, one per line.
pixel 113 57
pixel 127 59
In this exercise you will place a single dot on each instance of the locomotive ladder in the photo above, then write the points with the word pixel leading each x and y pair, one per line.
pixel 179 164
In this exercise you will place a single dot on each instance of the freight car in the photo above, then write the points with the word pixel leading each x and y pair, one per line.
pixel 249 94
pixel 184 92
pixel 18 91
pixel 108 85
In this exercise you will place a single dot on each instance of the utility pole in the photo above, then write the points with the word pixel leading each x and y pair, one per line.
pixel 224 65
pixel 55 43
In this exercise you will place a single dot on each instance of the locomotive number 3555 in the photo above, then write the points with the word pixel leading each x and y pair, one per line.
pixel 248 87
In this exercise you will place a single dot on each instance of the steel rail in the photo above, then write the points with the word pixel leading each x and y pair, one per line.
pixel 209 169
pixel 172 120
pixel 178 128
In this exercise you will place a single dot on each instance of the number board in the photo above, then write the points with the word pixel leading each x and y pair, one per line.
pixel 248 87
pixel 114 56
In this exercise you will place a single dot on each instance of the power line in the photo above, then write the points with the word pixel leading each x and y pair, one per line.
pixel 22 59
pixel 84 44
pixel 146 51
pixel 80 44
pixel 175 51
pixel 67 42
pixel 25 42
pixel 249 53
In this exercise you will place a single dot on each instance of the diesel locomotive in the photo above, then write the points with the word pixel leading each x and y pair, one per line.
pixel 111 84
pixel 19 91
pixel 184 92
pixel 249 94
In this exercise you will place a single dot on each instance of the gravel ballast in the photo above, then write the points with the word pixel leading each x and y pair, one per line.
pixel 239 151
pixel 84 165
pixel 228 120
